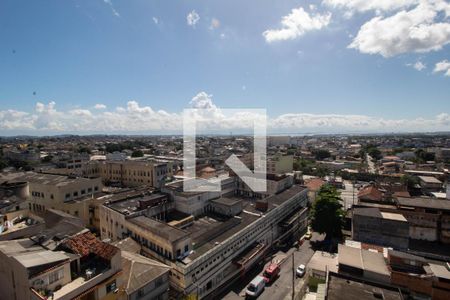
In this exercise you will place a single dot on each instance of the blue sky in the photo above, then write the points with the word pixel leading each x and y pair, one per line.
pixel 58 59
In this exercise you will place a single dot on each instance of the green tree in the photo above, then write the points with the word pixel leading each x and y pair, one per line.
pixel 327 214
pixel 409 180
pixel 321 154
pixel 137 153
pixel 423 156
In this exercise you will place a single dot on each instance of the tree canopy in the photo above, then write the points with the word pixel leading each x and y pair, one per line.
pixel 327 214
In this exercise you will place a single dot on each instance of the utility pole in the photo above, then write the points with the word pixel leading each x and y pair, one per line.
pixel 293 277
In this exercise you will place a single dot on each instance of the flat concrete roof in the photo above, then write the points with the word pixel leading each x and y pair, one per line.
pixel 393 216
pixel 163 229
pixel 350 289
pixel 430 179
pixel 323 261
pixel 375 212
pixel 362 259
pixel 47 179
pixel 425 202
pixel 440 271
pixel 38 258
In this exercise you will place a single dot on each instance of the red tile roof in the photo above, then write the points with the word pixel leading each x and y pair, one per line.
pixel 370 193
pixel 86 243
pixel 315 184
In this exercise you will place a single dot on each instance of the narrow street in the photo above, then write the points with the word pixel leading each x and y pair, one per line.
pixel 348 195
pixel 282 286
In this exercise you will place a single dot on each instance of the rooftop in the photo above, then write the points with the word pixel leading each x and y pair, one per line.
pixel 169 232
pixel 340 287
pixel 86 243
pixel 440 271
pixel 47 179
pixel 376 213
pixel 362 259
pixel 430 179
pixel 424 202
pixel 139 270
pixel 127 203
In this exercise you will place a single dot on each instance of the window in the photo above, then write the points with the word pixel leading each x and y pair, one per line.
pixel 75 194
pixel 96 188
pixel 111 287
pixel 55 276
pixel 67 195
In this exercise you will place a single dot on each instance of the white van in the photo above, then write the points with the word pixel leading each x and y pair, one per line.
pixel 256 287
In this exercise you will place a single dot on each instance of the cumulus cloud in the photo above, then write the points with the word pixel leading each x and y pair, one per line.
pixel 100 106
pixel 155 20
pixel 296 24
pixel 355 123
pixel 134 117
pixel 420 29
pixel 192 18
pixel 202 100
pixel 419 66
pixel 368 5
pixel 442 66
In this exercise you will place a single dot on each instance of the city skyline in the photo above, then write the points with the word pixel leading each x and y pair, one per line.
pixel 331 67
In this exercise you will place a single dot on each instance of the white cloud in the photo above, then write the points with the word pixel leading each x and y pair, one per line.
pixel 368 5
pixel 202 100
pixel 297 23
pixel 155 20
pixel 443 66
pixel 113 10
pixel 192 18
pixel 419 66
pixel 136 118
pixel 420 29
pixel 215 23
pixel 100 106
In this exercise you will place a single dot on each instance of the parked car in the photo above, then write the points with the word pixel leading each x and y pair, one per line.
pixel 256 287
pixel 300 270
pixel 308 235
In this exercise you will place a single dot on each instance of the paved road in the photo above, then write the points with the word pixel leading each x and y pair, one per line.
pixel 347 195
pixel 281 287
pixel 371 165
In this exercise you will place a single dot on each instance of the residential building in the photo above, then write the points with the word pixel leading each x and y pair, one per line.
pixel 143 278
pixel 428 218
pixel 344 287
pixel 430 184
pixel 80 267
pixel 362 263
pixel 370 225
pixel 132 173
pixel 207 251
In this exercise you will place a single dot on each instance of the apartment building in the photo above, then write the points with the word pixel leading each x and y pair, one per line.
pixel 213 248
pixel 275 164
pixel 132 173
pixel 48 190
pixel 370 225
pixel 428 218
